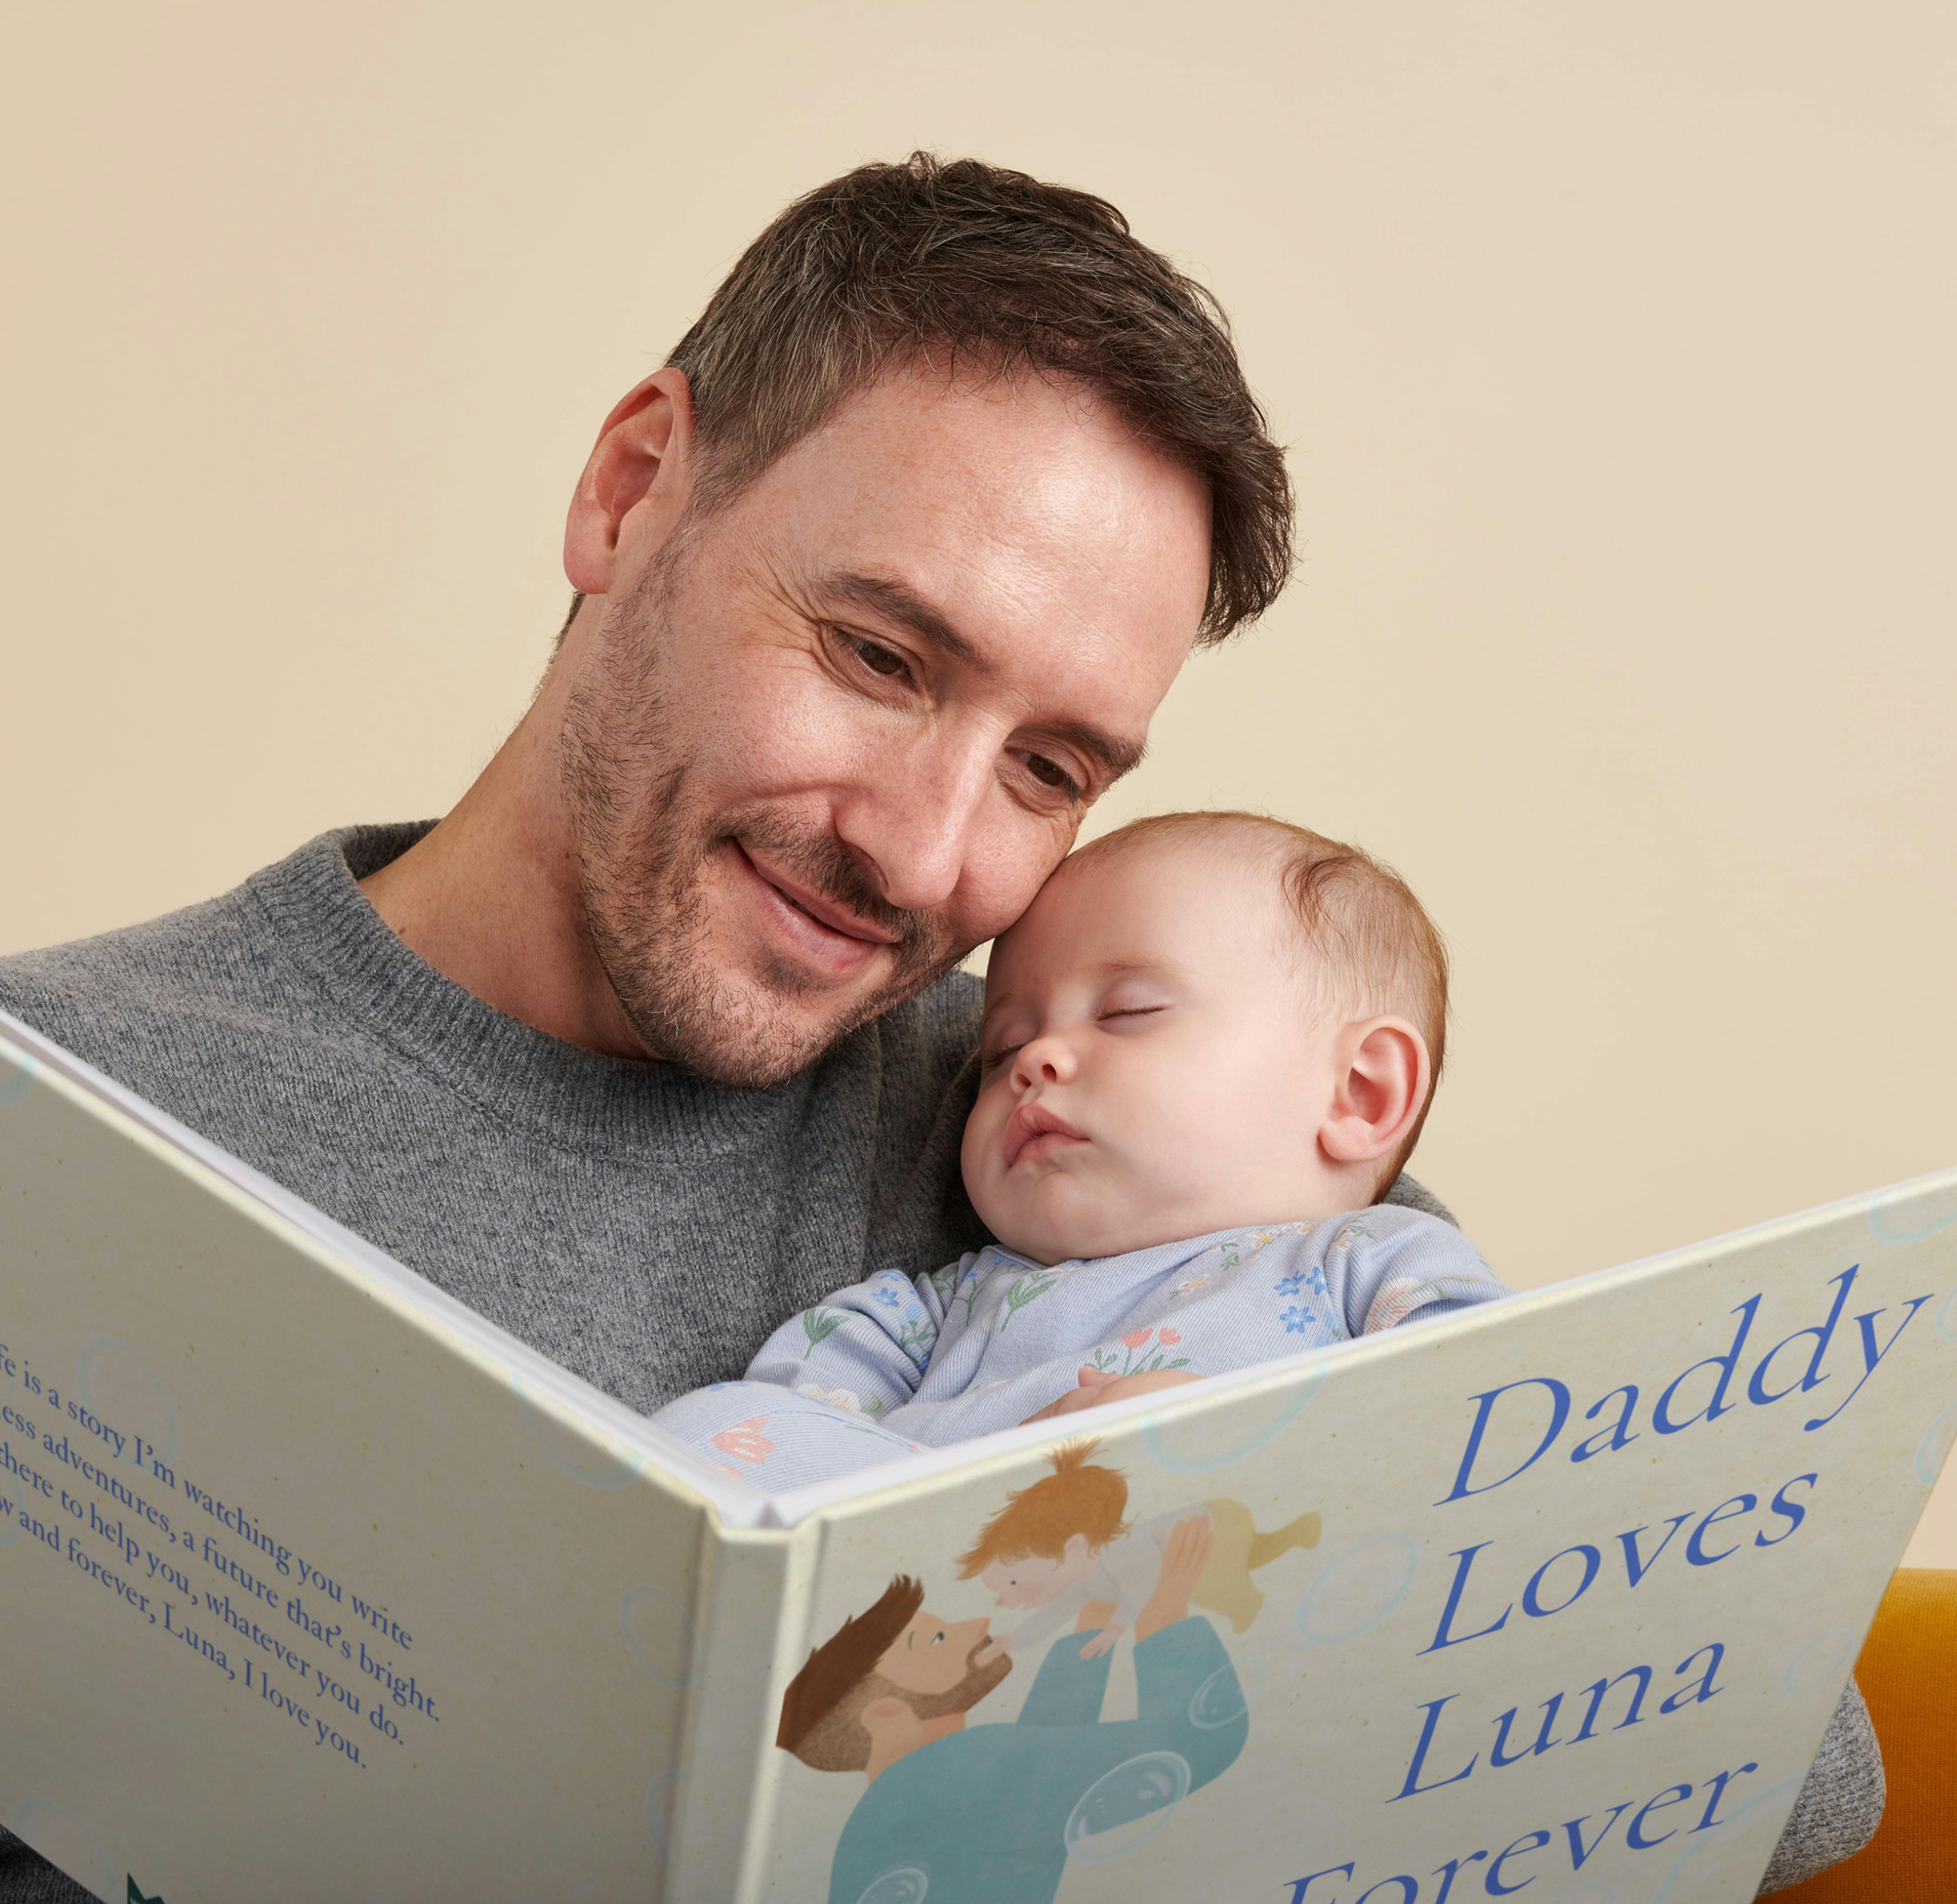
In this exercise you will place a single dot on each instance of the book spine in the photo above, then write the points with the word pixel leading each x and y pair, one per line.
pixel 751 1614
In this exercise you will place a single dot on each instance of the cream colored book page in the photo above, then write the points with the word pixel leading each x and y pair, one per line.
pixel 1560 1593
pixel 298 1590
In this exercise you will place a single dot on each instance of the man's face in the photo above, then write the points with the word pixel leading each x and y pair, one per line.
pixel 935 1663
pixel 832 735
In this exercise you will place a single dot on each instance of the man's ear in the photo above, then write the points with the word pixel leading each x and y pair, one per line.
pixel 636 482
pixel 1382 1073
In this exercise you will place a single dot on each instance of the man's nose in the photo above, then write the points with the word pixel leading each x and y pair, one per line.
pixel 911 822
pixel 1045 1060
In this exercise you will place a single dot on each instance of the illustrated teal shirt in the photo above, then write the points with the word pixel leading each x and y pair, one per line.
pixel 983 1817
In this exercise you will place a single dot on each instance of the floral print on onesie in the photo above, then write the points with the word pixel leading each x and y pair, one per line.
pixel 896 1364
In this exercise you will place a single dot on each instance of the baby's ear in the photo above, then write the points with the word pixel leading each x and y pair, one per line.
pixel 1381 1075
pixel 1077 1548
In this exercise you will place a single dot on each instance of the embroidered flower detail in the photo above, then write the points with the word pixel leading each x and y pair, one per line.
pixel 818 1325
pixel 1190 1285
pixel 1297 1319
pixel 887 1296
pixel 836 1397
pixel 1027 1289
pixel 1138 1361
pixel 1311 1277
pixel 745 1441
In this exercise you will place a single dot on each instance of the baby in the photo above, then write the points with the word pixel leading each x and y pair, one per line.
pixel 1207 1047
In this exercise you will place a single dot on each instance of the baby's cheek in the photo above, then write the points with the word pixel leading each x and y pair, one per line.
pixel 1172 1124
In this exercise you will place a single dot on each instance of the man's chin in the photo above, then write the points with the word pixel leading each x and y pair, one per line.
pixel 748 1034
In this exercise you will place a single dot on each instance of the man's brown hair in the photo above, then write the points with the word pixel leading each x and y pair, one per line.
pixel 1075 1498
pixel 821 1711
pixel 958 264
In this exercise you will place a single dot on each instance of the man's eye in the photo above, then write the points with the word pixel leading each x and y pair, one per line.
pixel 879 660
pixel 1050 774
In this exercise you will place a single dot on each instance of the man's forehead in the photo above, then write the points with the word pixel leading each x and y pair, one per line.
pixel 1009 507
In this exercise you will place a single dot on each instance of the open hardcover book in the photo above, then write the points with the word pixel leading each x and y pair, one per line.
pixel 313 1584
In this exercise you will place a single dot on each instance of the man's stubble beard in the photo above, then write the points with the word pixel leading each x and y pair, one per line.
pixel 643 837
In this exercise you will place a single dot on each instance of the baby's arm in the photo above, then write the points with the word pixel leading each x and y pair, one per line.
pixel 775 1439
pixel 1044 1621
pixel 1386 1267
pixel 808 1410
pixel 863 1349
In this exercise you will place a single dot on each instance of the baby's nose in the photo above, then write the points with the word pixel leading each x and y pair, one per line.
pixel 1045 1061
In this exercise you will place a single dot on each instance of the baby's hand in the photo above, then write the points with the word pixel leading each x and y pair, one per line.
pixel 1102 1642
pixel 1097 1387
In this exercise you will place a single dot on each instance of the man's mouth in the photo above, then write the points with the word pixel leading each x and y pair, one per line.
pixel 816 930
pixel 1033 1132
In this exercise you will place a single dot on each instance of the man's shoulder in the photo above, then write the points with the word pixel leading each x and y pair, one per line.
pixel 91 995
pixel 940 1027
pixel 922 1055
pixel 151 1003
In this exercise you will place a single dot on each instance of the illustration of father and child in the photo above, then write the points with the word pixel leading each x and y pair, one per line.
pixel 991 1811
pixel 1208 1048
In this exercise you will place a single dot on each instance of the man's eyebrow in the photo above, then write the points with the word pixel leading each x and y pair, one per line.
pixel 901 604
pixel 898 602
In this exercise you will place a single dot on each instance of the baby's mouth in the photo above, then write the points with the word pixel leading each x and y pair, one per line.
pixel 1033 1131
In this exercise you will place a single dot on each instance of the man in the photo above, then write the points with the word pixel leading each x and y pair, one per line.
pixel 656 1038
pixel 985 1813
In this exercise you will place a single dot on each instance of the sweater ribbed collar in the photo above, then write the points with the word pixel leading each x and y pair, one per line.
pixel 576 1098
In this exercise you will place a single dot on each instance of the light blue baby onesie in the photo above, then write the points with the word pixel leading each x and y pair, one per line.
pixel 894 1364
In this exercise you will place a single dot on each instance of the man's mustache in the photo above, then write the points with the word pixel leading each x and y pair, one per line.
pixel 820 862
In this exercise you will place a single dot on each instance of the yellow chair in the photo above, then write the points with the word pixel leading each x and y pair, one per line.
pixel 1908 1675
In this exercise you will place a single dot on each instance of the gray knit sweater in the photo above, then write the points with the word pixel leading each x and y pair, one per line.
pixel 581 1202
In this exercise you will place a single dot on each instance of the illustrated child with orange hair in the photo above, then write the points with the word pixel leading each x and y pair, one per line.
pixel 1061 1544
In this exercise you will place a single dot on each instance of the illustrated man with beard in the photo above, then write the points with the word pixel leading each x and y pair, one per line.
pixel 980 1813
pixel 656 1037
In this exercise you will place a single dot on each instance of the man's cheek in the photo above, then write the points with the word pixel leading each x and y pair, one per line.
pixel 1009 854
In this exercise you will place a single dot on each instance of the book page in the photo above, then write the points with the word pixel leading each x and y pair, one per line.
pixel 300 1587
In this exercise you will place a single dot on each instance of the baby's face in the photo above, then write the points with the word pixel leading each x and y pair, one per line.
pixel 1034 1578
pixel 1151 1068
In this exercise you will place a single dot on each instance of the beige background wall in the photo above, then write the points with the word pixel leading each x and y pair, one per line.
pixel 1612 342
